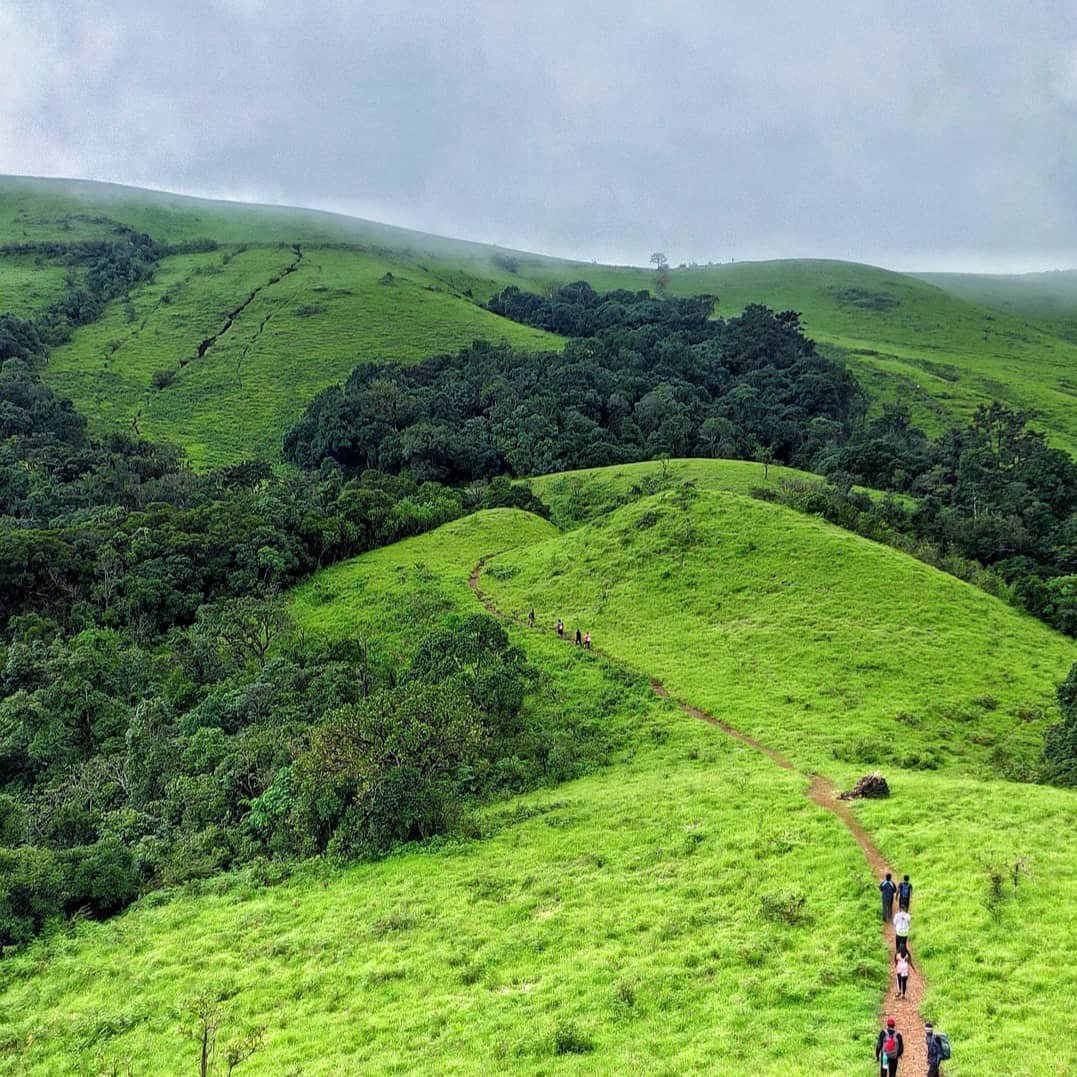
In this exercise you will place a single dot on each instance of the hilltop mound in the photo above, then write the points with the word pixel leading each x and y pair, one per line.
pixel 828 646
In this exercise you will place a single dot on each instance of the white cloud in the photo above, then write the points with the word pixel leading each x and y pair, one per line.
pixel 900 135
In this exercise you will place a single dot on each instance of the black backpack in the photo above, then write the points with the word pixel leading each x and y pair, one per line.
pixel 944 1045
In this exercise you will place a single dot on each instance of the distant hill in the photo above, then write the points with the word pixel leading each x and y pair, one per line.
pixel 1047 300
pixel 222 350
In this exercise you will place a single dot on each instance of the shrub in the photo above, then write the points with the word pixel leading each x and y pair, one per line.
pixel 784 907
pixel 569 1040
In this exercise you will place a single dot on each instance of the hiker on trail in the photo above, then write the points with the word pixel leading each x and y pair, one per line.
pixel 531 618
pixel 904 894
pixel 587 640
pixel 579 638
pixel 888 890
pixel 903 962
pixel 889 1048
pixel 560 628
pixel 901 931
pixel 938 1050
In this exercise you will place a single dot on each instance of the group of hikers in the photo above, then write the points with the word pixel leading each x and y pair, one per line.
pixel 583 639
pixel 890 1046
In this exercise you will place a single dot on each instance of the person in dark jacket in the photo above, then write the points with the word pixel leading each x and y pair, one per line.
pixel 934 1053
pixel 889 1047
pixel 579 638
pixel 888 890
pixel 904 894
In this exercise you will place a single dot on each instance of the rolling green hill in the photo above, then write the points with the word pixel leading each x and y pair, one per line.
pixel 848 656
pixel 636 918
pixel 629 920
pixel 904 337
pixel 1047 300
pixel 838 651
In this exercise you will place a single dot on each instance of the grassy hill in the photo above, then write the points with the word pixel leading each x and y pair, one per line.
pixel 848 657
pixel 575 497
pixel 1047 300
pixel 626 921
pixel 633 919
pixel 904 337
pixel 839 652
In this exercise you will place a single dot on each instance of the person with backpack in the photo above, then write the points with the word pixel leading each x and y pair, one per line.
pixel 560 628
pixel 902 920
pixel 904 893
pixel 531 618
pixel 903 962
pixel 888 890
pixel 579 638
pixel 938 1050
pixel 889 1047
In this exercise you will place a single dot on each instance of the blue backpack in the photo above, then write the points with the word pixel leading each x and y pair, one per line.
pixel 944 1045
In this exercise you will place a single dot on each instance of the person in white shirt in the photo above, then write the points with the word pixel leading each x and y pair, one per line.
pixel 901 930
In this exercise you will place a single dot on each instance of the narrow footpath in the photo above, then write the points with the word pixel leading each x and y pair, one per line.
pixel 820 790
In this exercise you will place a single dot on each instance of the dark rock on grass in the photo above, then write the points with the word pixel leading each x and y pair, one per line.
pixel 871 786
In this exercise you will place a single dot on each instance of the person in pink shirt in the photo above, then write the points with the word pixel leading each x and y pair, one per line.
pixel 903 963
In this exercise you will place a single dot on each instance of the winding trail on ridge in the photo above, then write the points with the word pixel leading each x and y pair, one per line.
pixel 821 791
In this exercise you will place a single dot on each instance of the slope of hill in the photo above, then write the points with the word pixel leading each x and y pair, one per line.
pixel 905 338
pixel 647 914
pixel 1046 300
pixel 825 645
pixel 575 497
pixel 643 917
pixel 848 656
pixel 180 363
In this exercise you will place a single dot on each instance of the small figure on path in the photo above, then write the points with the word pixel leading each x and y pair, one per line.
pixel 587 640
pixel 904 893
pixel 531 618
pixel 579 638
pixel 901 930
pixel 889 1047
pixel 938 1050
pixel 560 628
pixel 903 962
pixel 888 890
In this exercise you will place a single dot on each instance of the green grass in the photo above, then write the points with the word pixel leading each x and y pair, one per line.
pixel 307 331
pixel 904 337
pixel 624 915
pixel 848 657
pixel 575 497
pixel 27 286
pixel 1047 300
pixel 1004 982
pixel 824 644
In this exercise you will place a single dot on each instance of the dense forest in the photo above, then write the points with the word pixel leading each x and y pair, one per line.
pixel 160 717
pixel 647 388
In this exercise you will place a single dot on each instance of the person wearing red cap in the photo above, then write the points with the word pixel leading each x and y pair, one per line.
pixel 889 1048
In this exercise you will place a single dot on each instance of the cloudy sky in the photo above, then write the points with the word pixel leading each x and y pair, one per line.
pixel 911 135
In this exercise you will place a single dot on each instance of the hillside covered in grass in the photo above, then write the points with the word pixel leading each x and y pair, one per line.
pixel 849 657
pixel 284 324
pixel 830 647
pixel 644 915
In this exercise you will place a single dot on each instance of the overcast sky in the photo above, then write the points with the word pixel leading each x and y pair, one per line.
pixel 914 135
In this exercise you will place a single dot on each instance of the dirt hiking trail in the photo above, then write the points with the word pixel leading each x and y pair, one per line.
pixel 820 790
